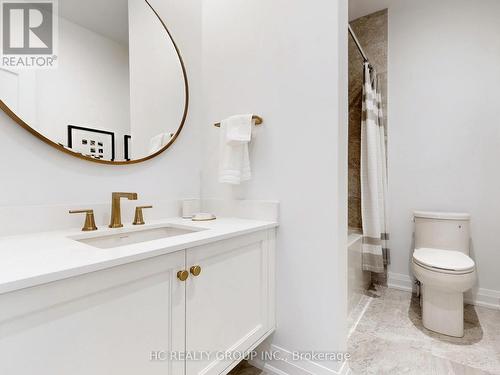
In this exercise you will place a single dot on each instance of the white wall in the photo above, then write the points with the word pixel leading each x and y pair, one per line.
pixel 280 59
pixel 444 129
pixel 32 173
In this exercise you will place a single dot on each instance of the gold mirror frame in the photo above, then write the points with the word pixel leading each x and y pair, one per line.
pixel 24 125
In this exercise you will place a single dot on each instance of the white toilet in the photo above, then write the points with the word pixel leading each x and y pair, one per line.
pixel 442 264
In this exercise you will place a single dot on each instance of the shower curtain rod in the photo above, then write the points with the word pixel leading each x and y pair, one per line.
pixel 356 41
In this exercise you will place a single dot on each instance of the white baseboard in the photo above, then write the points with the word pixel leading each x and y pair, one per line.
pixel 484 297
pixel 479 296
pixel 283 366
pixel 400 282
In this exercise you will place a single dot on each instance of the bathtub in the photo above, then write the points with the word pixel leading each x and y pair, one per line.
pixel 358 281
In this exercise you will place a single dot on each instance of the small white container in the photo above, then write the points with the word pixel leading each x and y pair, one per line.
pixel 190 207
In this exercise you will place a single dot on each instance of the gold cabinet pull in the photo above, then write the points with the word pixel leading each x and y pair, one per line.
pixel 195 270
pixel 183 275
pixel 139 217
pixel 89 224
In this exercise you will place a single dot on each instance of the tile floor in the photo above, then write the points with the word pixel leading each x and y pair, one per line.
pixel 390 339
pixel 245 369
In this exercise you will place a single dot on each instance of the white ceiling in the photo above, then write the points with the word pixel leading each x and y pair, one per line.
pixel 360 8
pixel 105 17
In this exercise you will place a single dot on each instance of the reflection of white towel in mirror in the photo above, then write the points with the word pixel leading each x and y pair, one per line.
pixel 159 141
pixel 234 163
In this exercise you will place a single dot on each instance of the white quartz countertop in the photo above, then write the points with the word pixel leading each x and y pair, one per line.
pixel 34 259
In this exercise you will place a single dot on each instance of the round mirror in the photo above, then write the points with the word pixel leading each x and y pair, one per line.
pixel 99 80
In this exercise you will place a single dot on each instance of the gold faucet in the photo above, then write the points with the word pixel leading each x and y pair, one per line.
pixel 89 219
pixel 139 216
pixel 116 214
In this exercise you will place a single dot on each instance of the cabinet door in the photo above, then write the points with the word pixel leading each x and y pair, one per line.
pixel 229 306
pixel 101 323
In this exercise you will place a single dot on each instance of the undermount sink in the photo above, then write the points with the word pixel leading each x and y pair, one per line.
pixel 109 241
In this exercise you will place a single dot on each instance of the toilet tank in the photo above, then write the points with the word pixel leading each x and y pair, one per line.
pixel 442 230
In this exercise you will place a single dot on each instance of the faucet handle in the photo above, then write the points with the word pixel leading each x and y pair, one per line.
pixel 139 217
pixel 89 224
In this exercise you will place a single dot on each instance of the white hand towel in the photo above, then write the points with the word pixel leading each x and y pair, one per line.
pixel 158 142
pixel 234 163
pixel 239 129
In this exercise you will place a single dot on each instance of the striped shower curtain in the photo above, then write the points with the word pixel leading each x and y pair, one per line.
pixel 373 177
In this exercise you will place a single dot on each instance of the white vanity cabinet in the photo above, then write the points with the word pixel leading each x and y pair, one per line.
pixel 230 305
pixel 113 321
pixel 101 323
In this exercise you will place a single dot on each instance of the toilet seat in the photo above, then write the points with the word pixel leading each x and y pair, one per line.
pixel 444 261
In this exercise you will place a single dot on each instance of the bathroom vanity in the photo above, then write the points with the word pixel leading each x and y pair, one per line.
pixel 173 297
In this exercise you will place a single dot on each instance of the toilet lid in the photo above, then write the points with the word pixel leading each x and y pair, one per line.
pixel 443 259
